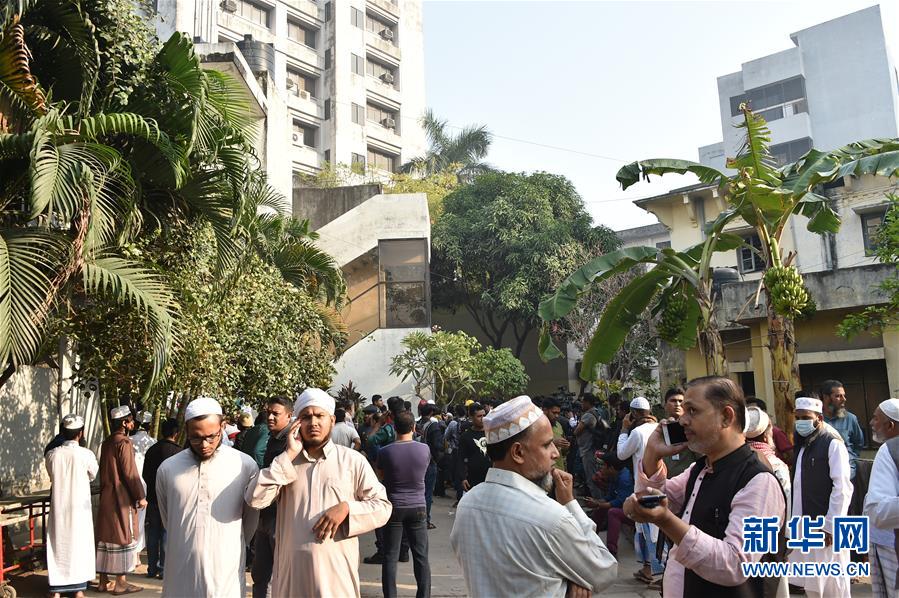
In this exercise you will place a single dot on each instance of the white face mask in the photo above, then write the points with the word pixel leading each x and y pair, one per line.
pixel 804 427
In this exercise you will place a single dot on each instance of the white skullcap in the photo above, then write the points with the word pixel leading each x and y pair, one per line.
pixel 202 406
pixel 809 404
pixel 640 403
pixel 120 412
pixel 510 418
pixel 146 417
pixel 756 422
pixel 314 397
pixel 890 408
pixel 73 422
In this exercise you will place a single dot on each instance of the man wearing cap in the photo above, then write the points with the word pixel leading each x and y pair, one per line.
pixel 121 496
pixel 70 526
pixel 327 496
pixel 142 441
pixel 882 500
pixel 200 493
pixel 508 535
pixel 821 488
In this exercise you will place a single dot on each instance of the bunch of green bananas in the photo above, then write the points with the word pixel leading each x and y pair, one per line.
pixel 788 294
pixel 673 318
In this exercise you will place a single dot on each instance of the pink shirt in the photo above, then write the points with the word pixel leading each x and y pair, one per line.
pixel 717 561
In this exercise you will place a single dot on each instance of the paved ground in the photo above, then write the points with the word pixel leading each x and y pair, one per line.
pixel 446 577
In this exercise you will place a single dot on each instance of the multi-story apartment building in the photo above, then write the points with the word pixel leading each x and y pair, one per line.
pixel 343 82
pixel 838 84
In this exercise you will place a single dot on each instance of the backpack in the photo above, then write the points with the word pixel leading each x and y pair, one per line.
pixel 601 432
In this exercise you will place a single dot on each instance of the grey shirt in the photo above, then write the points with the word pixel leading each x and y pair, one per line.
pixel 343 434
pixel 585 440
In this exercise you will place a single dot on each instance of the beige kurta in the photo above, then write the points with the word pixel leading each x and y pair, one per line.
pixel 70 527
pixel 305 489
pixel 202 507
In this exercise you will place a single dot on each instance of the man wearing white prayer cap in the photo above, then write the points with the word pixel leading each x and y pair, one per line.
pixel 200 495
pixel 821 488
pixel 122 495
pixel 327 495
pixel 882 500
pixel 141 441
pixel 70 524
pixel 508 535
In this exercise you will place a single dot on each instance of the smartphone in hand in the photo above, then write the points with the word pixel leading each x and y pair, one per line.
pixel 650 500
pixel 674 433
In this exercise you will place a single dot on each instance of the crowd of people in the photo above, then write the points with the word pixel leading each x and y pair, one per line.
pixel 286 494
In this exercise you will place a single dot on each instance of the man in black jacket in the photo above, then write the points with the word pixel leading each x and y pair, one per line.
pixel 432 435
pixel 155 532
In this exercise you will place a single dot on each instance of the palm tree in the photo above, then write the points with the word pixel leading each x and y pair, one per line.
pixel 463 153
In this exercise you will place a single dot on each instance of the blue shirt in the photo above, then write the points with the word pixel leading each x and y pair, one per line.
pixel 623 487
pixel 852 435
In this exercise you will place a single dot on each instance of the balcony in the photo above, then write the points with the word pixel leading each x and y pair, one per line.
pixel 380 90
pixel 300 101
pixel 306 7
pixel 305 155
pixel 387 6
pixel 387 137
pixel 240 26
pixel 375 42
pixel 303 53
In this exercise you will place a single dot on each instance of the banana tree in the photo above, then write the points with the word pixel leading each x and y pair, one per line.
pixel 677 284
pixel 766 198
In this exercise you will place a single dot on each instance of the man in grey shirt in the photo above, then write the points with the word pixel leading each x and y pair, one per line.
pixel 584 434
pixel 343 433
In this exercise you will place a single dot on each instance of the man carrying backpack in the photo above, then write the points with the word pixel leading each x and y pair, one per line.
pixel 431 434
pixel 584 432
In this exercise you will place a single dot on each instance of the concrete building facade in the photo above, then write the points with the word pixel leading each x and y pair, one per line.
pixel 838 84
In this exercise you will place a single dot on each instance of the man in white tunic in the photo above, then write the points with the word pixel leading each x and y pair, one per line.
pixel 200 494
pixel 821 487
pixel 70 528
pixel 327 496
pixel 882 500
pixel 509 536
pixel 142 441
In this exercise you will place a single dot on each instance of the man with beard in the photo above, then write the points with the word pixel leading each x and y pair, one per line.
pixel 882 500
pixel 536 546
pixel 674 409
pixel 833 395
pixel 821 488
pixel 552 409
pixel 200 495
pixel 705 505
pixel 327 496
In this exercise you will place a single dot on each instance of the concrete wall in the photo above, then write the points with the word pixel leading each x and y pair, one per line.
pixel 321 206
pixel 367 365
pixel 28 421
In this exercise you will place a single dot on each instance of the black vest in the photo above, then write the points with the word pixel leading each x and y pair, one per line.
pixel 817 485
pixel 711 513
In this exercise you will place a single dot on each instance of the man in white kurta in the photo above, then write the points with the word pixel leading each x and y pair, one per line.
pixel 70 527
pixel 142 441
pixel 200 494
pixel 882 500
pixel 839 487
pixel 327 496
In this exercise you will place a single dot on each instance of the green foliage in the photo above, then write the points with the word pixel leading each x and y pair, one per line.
pixel 507 240
pixel 875 318
pixel 462 153
pixel 437 186
pixel 454 367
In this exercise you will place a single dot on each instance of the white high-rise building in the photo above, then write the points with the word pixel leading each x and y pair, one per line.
pixel 838 84
pixel 340 82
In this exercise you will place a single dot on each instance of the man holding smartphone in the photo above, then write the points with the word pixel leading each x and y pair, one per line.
pixel 674 409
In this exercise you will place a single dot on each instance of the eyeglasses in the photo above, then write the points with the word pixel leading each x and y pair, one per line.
pixel 204 439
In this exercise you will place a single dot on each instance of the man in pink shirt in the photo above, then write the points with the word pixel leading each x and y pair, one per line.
pixel 705 506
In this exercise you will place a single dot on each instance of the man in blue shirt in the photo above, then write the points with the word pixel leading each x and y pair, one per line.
pixel 833 395
pixel 607 513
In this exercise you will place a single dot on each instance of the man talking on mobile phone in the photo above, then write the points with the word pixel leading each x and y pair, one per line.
pixel 705 506
pixel 509 536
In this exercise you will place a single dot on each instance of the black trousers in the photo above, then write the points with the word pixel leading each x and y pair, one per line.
pixel 263 562
pixel 411 523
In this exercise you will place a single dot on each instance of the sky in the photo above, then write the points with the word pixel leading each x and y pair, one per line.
pixel 582 88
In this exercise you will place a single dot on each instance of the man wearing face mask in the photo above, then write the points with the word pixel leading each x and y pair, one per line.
pixel 200 494
pixel 882 500
pixel 821 488
pixel 536 546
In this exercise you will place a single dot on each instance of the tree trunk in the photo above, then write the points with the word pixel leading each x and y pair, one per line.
pixel 784 367
pixel 712 347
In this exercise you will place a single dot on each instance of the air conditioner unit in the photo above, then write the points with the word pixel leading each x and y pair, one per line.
pixel 388 122
pixel 303 94
pixel 387 34
pixel 387 78
pixel 229 5
pixel 291 84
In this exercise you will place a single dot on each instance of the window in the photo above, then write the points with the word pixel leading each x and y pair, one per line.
pixel 327 109
pixel 378 27
pixel 379 115
pixel 303 134
pixel 358 64
pixel 328 58
pixel 403 273
pixel 358 160
pixel 297 82
pixel 251 11
pixel 357 18
pixel 749 260
pixel 328 156
pixel 789 152
pixel 328 11
pixel 381 160
pixel 663 245
pixel 301 33
pixel 358 114
pixel 870 225
pixel 381 71
pixel 789 94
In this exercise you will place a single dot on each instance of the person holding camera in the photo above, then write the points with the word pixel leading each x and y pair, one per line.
pixel 702 510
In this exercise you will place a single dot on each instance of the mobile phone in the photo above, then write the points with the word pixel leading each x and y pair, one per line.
pixel 674 433
pixel 651 500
